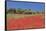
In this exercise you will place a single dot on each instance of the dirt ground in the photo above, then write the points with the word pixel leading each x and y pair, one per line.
pixel 19 21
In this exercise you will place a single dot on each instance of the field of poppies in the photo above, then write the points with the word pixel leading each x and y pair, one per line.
pixel 25 21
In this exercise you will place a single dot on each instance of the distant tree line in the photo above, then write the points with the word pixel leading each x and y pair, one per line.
pixel 21 11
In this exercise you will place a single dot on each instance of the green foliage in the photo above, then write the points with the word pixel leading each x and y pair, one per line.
pixel 19 11
pixel 11 11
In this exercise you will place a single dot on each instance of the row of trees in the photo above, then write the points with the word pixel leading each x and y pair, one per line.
pixel 20 11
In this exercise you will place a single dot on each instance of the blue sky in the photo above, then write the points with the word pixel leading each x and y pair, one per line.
pixel 24 5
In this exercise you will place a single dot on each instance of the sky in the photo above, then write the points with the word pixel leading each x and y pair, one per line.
pixel 26 5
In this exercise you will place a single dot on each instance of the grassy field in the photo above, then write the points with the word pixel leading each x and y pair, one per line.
pixel 16 16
